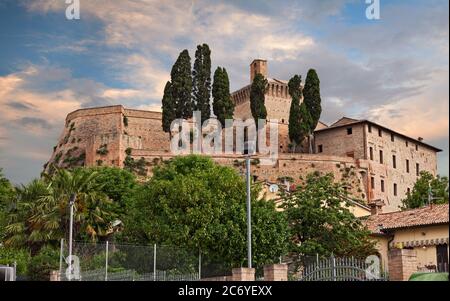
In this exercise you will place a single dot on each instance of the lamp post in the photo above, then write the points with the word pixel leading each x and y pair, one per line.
pixel 249 216
pixel 248 152
pixel 71 204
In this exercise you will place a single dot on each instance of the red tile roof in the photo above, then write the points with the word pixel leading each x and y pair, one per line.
pixel 430 215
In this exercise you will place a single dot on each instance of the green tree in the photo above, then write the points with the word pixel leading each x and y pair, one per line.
pixel 168 108
pixel 116 183
pixel 426 183
pixel 39 214
pixel 181 79
pixel 201 75
pixel 321 224
pixel 6 193
pixel 295 126
pixel 257 97
pixel 223 106
pixel 193 202
pixel 312 100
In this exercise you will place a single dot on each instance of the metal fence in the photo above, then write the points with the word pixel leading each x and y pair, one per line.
pixel 315 268
pixel 8 273
pixel 121 262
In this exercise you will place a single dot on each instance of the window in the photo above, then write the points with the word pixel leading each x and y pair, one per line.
pixel 394 161
pixel 408 191
pixel 417 147
pixel 349 131
pixel 382 185
pixel 395 189
pixel 417 169
pixel 320 148
pixel 350 154
pixel 370 128
pixel 392 137
pixel 371 153
pixel 380 133
pixel 381 157
pixel 406 142
pixel 282 120
pixel 407 165
pixel 372 182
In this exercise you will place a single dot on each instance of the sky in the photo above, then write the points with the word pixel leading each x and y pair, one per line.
pixel 393 71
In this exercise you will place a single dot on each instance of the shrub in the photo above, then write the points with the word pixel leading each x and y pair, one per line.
pixel 20 256
pixel 43 263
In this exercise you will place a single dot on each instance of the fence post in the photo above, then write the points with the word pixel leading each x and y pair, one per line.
pixel 61 251
pixel 334 268
pixel 15 271
pixel 154 262
pixel 106 261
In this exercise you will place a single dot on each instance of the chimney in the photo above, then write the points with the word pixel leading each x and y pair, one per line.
pixel 258 66
pixel 376 207
pixel 420 139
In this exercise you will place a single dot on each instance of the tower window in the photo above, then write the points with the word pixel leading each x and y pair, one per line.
pixel 380 133
pixel 392 137
pixel 369 128
pixel 417 169
pixel 394 161
pixel 372 182
pixel 381 157
pixel 395 189
pixel 382 185
pixel 417 147
pixel 349 131
pixel 320 148
pixel 407 165
pixel 371 153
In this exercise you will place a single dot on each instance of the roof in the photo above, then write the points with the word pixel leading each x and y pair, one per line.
pixel 345 121
pixel 425 216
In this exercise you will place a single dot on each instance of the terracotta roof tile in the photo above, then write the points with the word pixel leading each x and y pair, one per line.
pixel 436 214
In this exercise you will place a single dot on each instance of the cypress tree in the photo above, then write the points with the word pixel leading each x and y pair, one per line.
pixel 223 106
pixel 312 100
pixel 295 92
pixel 182 86
pixel 257 97
pixel 168 108
pixel 201 80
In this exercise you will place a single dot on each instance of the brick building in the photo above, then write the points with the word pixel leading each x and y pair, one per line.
pixel 376 162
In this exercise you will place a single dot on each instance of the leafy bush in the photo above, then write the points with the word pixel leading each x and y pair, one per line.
pixel 20 256
pixel 43 263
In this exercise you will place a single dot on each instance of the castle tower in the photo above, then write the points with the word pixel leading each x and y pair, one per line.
pixel 258 66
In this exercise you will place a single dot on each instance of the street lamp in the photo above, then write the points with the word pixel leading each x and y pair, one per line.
pixel 72 199
pixel 247 152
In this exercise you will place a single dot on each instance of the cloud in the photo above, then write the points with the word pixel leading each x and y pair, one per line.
pixel 394 71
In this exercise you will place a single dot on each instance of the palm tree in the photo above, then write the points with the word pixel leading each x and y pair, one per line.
pixel 39 213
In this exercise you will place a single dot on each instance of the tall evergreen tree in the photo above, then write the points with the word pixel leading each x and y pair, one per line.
pixel 295 91
pixel 257 97
pixel 182 86
pixel 312 100
pixel 201 80
pixel 168 108
pixel 223 106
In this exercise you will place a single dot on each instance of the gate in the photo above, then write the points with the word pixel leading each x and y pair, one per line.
pixel 343 269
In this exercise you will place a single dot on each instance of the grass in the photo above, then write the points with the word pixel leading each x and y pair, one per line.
pixel 429 277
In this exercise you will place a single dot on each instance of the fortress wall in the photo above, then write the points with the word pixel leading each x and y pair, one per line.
pixel 295 166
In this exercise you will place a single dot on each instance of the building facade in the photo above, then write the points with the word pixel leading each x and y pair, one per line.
pixel 393 161
pixel 377 163
pixel 422 234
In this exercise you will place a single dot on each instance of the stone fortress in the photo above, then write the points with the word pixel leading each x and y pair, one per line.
pixel 379 164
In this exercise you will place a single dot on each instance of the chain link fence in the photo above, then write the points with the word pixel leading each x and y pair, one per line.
pixel 121 262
